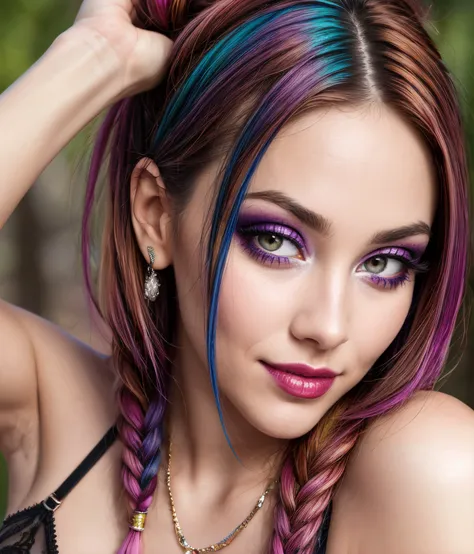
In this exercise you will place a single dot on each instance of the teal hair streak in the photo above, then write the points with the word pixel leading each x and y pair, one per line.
pixel 215 60
pixel 327 60
pixel 237 45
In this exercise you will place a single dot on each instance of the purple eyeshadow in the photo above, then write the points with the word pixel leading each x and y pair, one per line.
pixel 247 236
pixel 258 218
pixel 277 229
pixel 408 255
pixel 413 252
pixel 251 225
pixel 390 282
pixel 394 252
pixel 254 223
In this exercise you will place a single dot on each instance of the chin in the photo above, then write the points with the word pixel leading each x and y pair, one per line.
pixel 284 420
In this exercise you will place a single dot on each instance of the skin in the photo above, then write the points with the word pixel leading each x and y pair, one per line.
pixel 321 309
pixel 347 166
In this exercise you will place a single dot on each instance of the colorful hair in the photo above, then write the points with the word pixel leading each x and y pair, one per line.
pixel 274 61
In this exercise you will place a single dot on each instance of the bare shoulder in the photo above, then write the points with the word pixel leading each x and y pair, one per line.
pixel 429 420
pixel 67 371
pixel 37 352
pixel 410 485
pixel 55 385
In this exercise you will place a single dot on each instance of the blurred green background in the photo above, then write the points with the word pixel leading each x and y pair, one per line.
pixel 40 243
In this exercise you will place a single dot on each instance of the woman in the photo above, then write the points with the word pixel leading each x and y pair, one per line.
pixel 283 260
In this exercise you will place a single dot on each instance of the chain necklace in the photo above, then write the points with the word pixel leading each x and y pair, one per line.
pixel 188 549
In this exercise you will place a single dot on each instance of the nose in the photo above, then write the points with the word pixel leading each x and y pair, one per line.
pixel 321 311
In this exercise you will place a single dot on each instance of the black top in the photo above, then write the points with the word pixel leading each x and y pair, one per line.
pixel 35 525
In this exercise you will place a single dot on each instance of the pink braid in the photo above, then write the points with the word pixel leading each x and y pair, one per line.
pixel 308 480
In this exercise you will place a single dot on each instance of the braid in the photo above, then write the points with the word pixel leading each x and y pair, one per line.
pixel 309 476
pixel 142 403
pixel 141 433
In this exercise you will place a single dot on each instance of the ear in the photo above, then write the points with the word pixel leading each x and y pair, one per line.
pixel 151 213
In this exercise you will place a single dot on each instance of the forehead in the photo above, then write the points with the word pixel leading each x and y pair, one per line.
pixel 363 167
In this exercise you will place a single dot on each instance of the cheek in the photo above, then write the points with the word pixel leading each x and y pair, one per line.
pixel 250 303
pixel 378 321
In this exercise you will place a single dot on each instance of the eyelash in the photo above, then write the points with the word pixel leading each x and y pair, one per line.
pixel 397 280
pixel 248 234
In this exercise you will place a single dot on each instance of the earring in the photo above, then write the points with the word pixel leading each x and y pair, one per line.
pixel 152 283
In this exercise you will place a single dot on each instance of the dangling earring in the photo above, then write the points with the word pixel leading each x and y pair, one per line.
pixel 152 283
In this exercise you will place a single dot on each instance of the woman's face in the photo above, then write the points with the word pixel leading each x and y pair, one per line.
pixel 320 269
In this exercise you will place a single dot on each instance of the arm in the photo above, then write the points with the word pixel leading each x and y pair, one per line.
pixel 101 59
pixel 81 74
pixel 39 114
pixel 44 109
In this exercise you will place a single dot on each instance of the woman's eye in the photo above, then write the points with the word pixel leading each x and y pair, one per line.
pixel 274 243
pixel 270 242
pixel 383 264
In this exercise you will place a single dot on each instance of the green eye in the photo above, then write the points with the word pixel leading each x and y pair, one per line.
pixel 376 264
pixel 270 242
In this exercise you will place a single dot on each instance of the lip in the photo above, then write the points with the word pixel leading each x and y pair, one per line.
pixel 308 383
pixel 303 370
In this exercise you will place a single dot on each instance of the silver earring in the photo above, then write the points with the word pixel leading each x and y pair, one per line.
pixel 152 283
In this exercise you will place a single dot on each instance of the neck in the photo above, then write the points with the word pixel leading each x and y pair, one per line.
pixel 200 449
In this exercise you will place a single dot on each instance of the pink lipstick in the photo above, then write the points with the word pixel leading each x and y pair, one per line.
pixel 301 380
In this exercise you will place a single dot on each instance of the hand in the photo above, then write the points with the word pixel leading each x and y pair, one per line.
pixel 142 55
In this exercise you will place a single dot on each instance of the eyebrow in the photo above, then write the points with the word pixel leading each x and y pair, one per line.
pixel 322 225
pixel 313 220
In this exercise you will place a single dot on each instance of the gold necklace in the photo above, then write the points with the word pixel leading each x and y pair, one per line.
pixel 188 549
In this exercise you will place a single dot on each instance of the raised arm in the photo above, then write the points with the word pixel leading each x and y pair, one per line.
pixel 99 60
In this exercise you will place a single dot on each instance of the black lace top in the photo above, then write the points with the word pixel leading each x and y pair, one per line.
pixel 33 530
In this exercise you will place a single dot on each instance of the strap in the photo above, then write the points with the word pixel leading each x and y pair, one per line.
pixel 53 502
